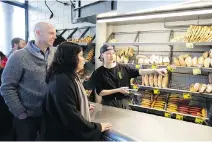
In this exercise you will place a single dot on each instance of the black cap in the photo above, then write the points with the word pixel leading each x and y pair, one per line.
pixel 105 48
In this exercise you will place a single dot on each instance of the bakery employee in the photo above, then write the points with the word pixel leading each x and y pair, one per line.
pixel 112 79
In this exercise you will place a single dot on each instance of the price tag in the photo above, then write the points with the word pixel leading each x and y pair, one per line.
pixel 156 91
pixel 189 45
pixel 168 115
pixel 186 96
pixel 170 68
pixel 154 67
pixel 137 66
pixel 199 120
pixel 135 86
pixel 196 71
pixel 179 117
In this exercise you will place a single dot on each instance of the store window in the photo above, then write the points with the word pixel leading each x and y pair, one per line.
pixel 12 25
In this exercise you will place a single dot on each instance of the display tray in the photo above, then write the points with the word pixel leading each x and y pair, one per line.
pixel 161 43
pixel 169 90
pixel 142 126
pixel 179 69
pixel 168 114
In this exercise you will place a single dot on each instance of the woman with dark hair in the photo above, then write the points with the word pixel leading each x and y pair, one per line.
pixel 66 108
pixel 3 59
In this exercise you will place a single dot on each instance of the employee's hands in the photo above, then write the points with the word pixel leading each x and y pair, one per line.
pixel 123 90
pixel 105 126
pixel 161 71
pixel 91 107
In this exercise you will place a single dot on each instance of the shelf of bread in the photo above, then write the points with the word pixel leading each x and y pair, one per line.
pixel 198 34
pixel 158 43
pixel 161 83
pixel 194 36
pixel 170 114
pixel 186 60
pixel 170 90
pixel 82 41
pixel 172 106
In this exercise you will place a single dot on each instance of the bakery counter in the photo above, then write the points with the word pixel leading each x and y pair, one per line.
pixel 132 125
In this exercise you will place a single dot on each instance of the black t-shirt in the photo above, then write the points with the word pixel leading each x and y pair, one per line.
pixel 119 76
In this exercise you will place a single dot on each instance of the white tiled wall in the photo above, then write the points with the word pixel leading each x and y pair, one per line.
pixel 38 12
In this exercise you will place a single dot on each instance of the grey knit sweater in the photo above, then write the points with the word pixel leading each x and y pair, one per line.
pixel 23 81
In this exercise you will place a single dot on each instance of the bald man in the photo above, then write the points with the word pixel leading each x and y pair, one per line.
pixel 23 81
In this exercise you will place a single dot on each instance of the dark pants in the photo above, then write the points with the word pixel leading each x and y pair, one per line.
pixel 27 129
pixel 123 103
pixel 6 121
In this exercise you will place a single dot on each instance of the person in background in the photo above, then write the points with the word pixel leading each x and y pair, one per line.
pixel 112 80
pixel 3 60
pixel 23 81
pixel 16 43
pixel 66 108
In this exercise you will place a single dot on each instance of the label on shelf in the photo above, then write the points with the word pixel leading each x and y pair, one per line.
pixel 179 117
pixel 199 120
pixel 186 96
pixel 167 114
pixel 156 91
pixel 170 68
pixel 135 86
pixel 189 45
pixel 196 71
pixel 154 67
pixel 137 66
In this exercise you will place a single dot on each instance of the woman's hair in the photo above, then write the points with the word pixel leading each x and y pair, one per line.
pixel 2 55
pixel 65 60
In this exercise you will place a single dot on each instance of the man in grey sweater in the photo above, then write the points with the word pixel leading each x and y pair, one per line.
pixel 23 81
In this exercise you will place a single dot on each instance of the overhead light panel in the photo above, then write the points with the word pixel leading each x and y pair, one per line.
pixel 155 16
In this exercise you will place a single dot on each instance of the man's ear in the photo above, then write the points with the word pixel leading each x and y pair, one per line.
pixel 15 45
pixel 37 32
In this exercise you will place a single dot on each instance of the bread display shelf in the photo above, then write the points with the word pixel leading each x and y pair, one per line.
pixel 159 43
pixel 186 117
pixel 169 90
pixel 181 69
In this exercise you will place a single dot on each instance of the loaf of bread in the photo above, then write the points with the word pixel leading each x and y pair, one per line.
pixel 146 80
pixel 188 61
pixel 176 62
pixel 151 80
pixel 207 62
pixel 205 54
pixel 160 79
pixel 209 88
pixel 201 61
pixel 143 80
pixel 202 88
pixel 130 52
pixel 182 61
pixel 196 87
pixel 146 61
pixel 210 54
pixel 194 62
pixel 155 80
pixel 141 61
pixel 165 81
pixel 166 61
pixel 160 60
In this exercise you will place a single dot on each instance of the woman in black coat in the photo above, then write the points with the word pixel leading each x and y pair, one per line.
pixel 66 108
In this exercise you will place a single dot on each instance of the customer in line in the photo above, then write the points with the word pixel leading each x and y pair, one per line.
pixel 3 60
pixel 66 108
pixel 16 43
pixel 23 81
pixel 112 79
